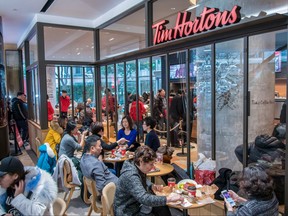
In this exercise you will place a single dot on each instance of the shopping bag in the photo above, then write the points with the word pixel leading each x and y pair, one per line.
pixel 204 177
pixel 18 137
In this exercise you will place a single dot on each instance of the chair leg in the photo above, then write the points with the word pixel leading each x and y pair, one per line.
pixel 90 210
pixel 65 195
pixel 69 197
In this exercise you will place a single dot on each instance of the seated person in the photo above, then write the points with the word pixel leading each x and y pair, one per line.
pixel 25 190
pixel 127 131
pixel 55 132
pixel 265 146
pixel 92 167
pixel 151 139
pixel 133 194
pixel 69 144
pixel 98 130
pixel 261 199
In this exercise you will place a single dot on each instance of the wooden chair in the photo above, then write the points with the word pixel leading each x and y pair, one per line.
pixel 38 143
pixel 67 175
pixel 107 199
pixel 59 207
pixel 95 204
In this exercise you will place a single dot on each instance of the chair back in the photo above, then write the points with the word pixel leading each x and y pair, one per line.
pixel 38 143
pixel 59 207
pixel 67 174
pixel 90 186
pixel 108 195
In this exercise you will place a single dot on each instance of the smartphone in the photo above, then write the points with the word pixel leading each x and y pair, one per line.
pixel 226 195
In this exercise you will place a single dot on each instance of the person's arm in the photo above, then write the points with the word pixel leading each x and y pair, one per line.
pixel 98 174
pixel 132 138
pixel 83 135
pixel 105 146
pixel 135 188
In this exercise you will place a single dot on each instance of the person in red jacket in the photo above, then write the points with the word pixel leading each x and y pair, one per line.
pixel 64 103
pixel 50 110
pixel 141 113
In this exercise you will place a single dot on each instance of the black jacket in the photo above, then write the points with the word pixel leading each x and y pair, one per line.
pixel 177 108
pixel 19 109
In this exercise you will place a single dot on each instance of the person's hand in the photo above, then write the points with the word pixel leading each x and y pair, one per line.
pixel 19 188
pixel 132 146
pixel 174 198
pixel 233 195
pixel 161 115
pixel 157 187
pixel 228 206
pixel 122 141
pixel 85 132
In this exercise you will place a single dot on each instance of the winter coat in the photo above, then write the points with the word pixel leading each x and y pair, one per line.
pixel 19 109
pixel 158 107
pixel 50 111
pixel 131 192
pixel 47 158
pixel 177 111
pixel 65 102
pixel 53 136
pixel 263 145
pixel 257 207
pixel 133 110
pixel 95 169
pixel 58 174
pixel 42 190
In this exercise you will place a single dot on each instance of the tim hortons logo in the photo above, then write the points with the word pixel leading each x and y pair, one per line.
pixel 209 19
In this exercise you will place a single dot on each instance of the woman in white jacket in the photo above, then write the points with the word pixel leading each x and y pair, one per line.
pixel 25 191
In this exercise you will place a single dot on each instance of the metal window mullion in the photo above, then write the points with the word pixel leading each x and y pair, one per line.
pixel 213 102
pixel 125 88
pixel 246 102
pixel 72 92
pixel 137 96
pixel 84 89
pixel 167 74
pixel 151 85
pixel 106 99
pixel 188 110
pixel 116 100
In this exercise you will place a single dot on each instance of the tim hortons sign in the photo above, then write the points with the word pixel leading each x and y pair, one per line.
pixel 209 19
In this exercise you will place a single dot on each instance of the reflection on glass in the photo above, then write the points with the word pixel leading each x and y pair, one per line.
pixel 33 47
pixel 200 68
pixel 120 86
pixel 35 95
pixel 229 102
pixel 90 88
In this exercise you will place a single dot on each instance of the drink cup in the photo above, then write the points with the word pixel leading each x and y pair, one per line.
pixel 123 152
pixel 191 191
pixel 171 182
pixel 113 151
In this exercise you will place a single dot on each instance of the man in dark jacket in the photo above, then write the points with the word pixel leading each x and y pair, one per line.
pixel 265 147
pixel 159 109
pixel 19 110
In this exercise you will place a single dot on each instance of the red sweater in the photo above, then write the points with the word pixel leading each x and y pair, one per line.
pixel 50 111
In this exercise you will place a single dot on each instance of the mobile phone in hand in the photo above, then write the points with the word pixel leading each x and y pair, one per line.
pixel 226 195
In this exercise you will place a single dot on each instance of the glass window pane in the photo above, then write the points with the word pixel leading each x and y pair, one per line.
pixel 64 44
pixel 125 35
pixel 33 49
pixel 120 86
pixel 229 102
pixel 200 71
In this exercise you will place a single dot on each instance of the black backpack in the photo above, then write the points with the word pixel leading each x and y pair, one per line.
pixel 227 180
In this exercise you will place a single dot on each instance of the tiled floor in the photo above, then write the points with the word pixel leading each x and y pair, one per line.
pixel 77 206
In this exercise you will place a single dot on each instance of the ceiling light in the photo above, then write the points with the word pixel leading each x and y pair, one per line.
pixel 78 53
pixel 92 47
pixel 173 8
pixel 111 39
pixel 192 7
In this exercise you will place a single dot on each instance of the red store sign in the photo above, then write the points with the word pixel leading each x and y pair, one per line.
pixel 209 19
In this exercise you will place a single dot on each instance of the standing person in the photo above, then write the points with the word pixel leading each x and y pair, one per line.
pixel 64 103
pixel 94 168
pixel 110 106
pixel 159 108
pixel 50 110
pixel 135 117
pixel 261 200
pixel 25 190
pixel 133 194
pixel 176 114
pixel 19 110
pixel 152 139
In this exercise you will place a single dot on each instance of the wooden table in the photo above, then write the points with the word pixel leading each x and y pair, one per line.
pixel 185 209
pixel 164 168
pixel 116 160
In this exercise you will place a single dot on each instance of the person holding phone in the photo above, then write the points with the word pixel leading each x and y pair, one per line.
pixel 25 190
pixel 261 199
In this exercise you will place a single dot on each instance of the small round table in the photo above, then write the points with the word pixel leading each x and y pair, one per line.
pixel 164 169
pixel 116 160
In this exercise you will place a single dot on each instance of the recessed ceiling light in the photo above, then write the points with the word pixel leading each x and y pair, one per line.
pixel 111 39
pixel 78 53
pixel 173 8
